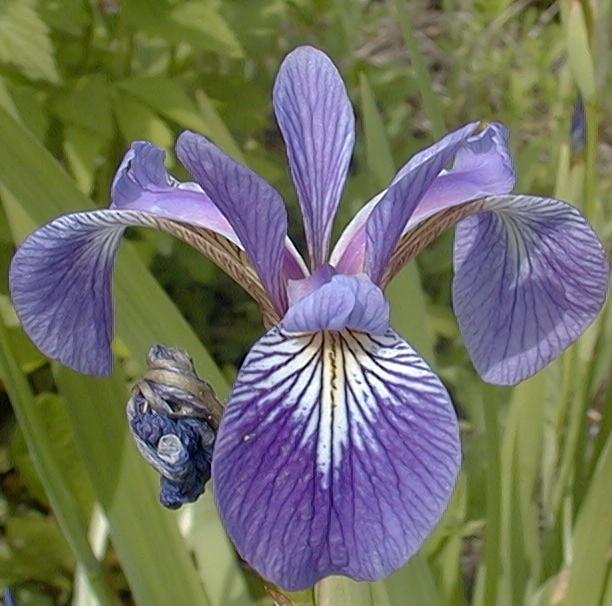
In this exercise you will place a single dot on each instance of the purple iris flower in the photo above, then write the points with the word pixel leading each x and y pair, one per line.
pixel 9 598
pixel 339 448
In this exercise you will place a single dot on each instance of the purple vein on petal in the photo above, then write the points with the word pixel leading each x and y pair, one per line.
pixel 253 208
pixel 337 454
pixel 317 122
pixel 530 276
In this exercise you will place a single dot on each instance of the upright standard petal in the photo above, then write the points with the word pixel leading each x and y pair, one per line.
pixel 386 223
pixel 482 167
pixel 253 208
pixel 142 183
pixel 337 454
pixel 317 121
pixel 530 277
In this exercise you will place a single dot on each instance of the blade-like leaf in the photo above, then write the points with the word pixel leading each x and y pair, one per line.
pixel 43 191
pixel 520 466
pixel 592 537
pixel 58 487
pixel 341 591
pixel 154 556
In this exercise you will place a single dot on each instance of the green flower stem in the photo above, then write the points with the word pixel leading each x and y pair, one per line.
pixel 341 591
pixel 65 507
pixel 493 527
pixel 590 181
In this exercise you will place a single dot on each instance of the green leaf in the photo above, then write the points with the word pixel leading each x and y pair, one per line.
pixel 25 466
pixel 25 41
pixel 380 159
pixel 218 129
pixel 578 49
pixel 136 121
pixel 341 591
pixel 592 537
pixel 520 464
pixel 50 410
pixel 43 191
pixel 84 151
pixel 413 585
pixel 38 550
pixel 445 546
pixel 205 28
pixel 198 24
pixel 168 99
pixel 86 104
pixel 219 569
pixel 6 99
pixel 31 109
pixel 69 16
pixel 58 486
pixel 431 101
pixel 153 555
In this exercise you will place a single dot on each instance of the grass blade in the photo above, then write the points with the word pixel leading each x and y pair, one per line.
pixel 65 506
pixel 152 552
pixel 431 101
pixel 340 591
pixel 592 537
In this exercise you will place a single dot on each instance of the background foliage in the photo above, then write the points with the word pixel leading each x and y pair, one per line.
pixel 531 520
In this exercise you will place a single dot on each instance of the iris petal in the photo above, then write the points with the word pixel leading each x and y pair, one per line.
pixel 386 223
pixel 342 302
pixel 530 276
pixel 317 121
pixel 61 281
pixel 142 183
pixel 482 166
pixel 253 208
pixel 337 454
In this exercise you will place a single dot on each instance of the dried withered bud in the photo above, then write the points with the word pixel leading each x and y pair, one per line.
pixel 173 417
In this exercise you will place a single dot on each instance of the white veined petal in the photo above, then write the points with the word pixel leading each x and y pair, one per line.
pixel 337 454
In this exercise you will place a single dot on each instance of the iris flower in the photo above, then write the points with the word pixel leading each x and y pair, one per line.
pixel 339 447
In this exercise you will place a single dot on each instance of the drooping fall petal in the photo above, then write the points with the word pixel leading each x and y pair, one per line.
pixel 61 276
pixel 530 276
pixel 337 454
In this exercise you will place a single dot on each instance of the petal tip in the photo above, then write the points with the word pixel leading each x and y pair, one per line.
pixel 143 166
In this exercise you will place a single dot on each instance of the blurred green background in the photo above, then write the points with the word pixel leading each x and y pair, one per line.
pixel 531 520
